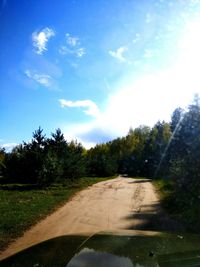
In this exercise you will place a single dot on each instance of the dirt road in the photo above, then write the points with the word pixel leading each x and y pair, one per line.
pixel 121 203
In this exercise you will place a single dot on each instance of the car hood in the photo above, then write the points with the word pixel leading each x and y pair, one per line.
pixel 112 249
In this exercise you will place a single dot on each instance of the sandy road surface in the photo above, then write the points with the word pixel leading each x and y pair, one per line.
pixel 121 203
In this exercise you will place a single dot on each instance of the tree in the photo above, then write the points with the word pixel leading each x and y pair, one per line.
pixel 100 161
pixel 185 152
pixel 38 138
pixel 155 149
pixel 55 155
pixel 176 118
pixel 74 164
pixel 136 141
pixel 2 160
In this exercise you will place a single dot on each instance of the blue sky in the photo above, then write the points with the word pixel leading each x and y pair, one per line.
pixel 95 68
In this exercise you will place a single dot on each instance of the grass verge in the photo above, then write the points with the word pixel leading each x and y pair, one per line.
pixel 21 206
pixel 179 205
pixel 165 189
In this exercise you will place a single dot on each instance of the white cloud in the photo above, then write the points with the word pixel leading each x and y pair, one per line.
pixel 80 52
pixel 72 47
pixel 40 39
pixel 118 54
pixel 91 108
pixel 42 79
pixel 145 101
pixel 72 40
pixel 9 146
pixel 72 132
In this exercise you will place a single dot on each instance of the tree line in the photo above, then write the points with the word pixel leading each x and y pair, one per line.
pixel 44 160
pixel 166 150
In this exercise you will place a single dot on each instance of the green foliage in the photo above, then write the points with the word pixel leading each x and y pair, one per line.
pixel 176 118
pixel 185 154
pixel 179 206
pixel 100 161
pixel 44 161
pixel 74 165
pixel 134 160
pixel 2 159
pixel 183 165
pixel 159 139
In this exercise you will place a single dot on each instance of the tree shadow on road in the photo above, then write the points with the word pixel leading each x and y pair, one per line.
pixel 153 219
pixel 140 181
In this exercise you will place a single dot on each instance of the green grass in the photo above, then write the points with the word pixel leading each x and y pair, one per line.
pixel 21 206
pixel 165 188
pixel 178 205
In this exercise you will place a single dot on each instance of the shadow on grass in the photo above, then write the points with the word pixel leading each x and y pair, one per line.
pixel 20 187
pixel 153 219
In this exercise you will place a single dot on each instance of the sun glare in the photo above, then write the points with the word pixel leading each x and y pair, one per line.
pixel 156 95
pixel 188 64
pixel 152 97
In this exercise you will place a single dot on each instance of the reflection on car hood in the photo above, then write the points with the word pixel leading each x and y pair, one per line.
pixel 120 249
